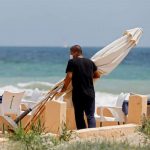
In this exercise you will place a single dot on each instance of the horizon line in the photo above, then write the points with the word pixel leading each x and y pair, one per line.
pixel 63 46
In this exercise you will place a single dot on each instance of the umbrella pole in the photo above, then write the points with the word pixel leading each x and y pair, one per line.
pixel 39 112
pixel 19 118
pixel 54 90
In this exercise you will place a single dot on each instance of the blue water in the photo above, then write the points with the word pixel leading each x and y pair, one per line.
pixel 47 64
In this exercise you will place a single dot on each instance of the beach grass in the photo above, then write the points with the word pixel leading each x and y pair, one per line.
pixel 145 127
pixel 101 145
pixel 81 145
pixel 35 139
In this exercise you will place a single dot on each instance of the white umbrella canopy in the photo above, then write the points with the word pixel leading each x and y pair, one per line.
pixel 108 58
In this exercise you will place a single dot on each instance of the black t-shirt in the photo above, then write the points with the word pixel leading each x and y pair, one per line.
pixel 82 79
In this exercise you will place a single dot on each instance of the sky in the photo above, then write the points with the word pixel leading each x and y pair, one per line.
pixel 68 22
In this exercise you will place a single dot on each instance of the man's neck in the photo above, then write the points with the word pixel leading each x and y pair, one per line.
pixel 81 56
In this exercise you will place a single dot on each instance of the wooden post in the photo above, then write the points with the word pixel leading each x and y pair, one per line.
pixel 54 116
pixel 137 108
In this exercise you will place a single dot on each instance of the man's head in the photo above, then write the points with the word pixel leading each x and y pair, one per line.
pixel 76 51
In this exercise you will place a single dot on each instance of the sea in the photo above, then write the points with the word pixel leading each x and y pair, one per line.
pixel 30 68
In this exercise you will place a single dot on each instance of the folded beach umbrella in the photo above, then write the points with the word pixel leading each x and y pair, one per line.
pixel 108 58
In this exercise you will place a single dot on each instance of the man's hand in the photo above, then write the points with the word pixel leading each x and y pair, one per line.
pixel 59 94
pixel 66 83
pixel 97 74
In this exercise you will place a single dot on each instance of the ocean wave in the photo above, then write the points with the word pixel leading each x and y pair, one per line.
pixel 10 88
pixel 15 89
pixel 102 98
pixel 36 84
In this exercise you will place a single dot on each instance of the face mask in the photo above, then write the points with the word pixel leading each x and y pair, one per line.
pixel 71 56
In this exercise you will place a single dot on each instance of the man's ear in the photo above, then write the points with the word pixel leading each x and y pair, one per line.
pixel 69 75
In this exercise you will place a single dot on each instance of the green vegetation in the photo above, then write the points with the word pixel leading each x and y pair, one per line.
pixel 145 127
pixel 30 140
pixel 100 145
pixel 35 139
pixel 65 134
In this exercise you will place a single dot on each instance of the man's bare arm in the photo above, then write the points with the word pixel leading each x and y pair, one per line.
pixel 67 81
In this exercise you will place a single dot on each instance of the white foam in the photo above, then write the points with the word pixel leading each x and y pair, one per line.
pixel 15 89
pixel 35 84
pixel 10 88
pixel 103 99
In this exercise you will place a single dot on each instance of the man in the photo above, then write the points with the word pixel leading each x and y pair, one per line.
pixel 1 99
pixel 81 71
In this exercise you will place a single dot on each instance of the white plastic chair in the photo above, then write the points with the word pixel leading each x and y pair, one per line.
pixel 11 103
pixel 10 106
pixel 116 111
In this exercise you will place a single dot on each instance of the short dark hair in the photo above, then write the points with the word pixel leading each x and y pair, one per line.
pixel 76 48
